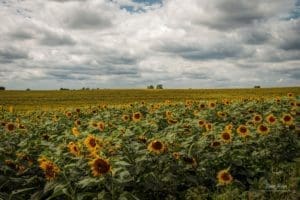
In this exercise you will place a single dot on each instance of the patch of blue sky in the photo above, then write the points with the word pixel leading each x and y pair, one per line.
pixel 295 13
pixel 145 3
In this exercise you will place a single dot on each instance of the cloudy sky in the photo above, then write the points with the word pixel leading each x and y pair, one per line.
pixel 48 44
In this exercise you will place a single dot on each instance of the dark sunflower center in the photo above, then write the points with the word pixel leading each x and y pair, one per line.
pixel 263 128
pixel 157 145
pixel 271 119
pixel 137 116
pixel 287 118
pixel 101 166
pixel 257 118
pixel 215 144
pixel 225 176
pixel 92 142
pixel 10 127
pixel 226 136
pixel 243 129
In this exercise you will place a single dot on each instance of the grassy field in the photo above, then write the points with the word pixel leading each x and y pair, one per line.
pixel 199 144
pixel 23 100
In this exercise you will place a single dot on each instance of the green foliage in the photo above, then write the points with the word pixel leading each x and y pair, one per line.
pixel 262 166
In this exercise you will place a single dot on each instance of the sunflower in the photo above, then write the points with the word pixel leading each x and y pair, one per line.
pixel 50 169
pixel 221 114
pixel 287 119
pixel 176 155
pixel 156 147
pixel 190 161
pixel 68 114
pixel 257 118
pixel 91 142
pixel 75 131
pixel 201 123
pixel 224 177
pixel 21 126
pixel 242 130
pixel 142 139
pixel 226 136
pixel 212 105
pixel 202 106
pixel 290 95
pixel 215 144
pixel 101 125
pixel 208 126
pixel 73 149
pixel 10 126
pixel 125 118
pixel 136 116
pixel 168 114
pixel 263 129
pixel 171 121
pixel 228 127
pixel 100 166
pixel 77 122
pixel 77 110
pixel 271 119
pixel 94 124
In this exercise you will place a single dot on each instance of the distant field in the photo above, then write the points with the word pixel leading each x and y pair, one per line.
pixel 33 99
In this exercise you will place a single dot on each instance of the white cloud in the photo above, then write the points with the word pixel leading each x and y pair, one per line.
pixel 189 43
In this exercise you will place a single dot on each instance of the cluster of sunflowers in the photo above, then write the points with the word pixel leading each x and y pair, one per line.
pixel 170 150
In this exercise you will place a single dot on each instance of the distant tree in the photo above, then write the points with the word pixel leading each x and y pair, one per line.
pixel 150 87
pixel 64 89
pixel 2 88
pixel 159 86
pixel 28 89
pixel 257 86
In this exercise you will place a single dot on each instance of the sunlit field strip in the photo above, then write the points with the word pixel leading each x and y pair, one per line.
pixel 26 100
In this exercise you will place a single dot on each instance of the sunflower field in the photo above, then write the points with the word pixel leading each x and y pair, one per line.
pixel 243 148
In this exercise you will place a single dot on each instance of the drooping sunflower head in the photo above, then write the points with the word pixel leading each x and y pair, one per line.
pixel 10 126
pixel 73 149
pixel 190 160
pixel 171 121
pixel 226 136
pixel 50 169
pixel 75 131
pixel 271 119
pixel 287 119
pixel 257 118
pixel 221 114
pixel 242 130
pixel 136 116
pixel 168 114
pixel 100 166
pixel 101 126
pixel 176 155
pixel 263 129
pixel 215 144
pixel 224 177
pixel 228 127
pixel 157 147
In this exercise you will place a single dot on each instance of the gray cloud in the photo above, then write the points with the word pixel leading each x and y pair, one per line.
pixel 56 39
pixel 10 54
pixel 83 18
